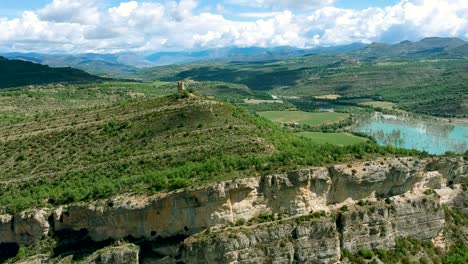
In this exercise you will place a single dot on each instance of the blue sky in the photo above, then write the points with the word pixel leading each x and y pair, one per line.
pixel 12 8
pixel 71 26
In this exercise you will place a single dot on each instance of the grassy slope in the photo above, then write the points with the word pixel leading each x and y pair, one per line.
pixel 120 148
pixel 142 144
pixel 33 104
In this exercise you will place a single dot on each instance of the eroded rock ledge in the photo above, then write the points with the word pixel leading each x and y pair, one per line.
pixel 187 212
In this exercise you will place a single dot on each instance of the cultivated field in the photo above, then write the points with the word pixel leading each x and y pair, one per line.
pixel 340 139
pixel 304 118
pixel 379 104
pixel 328 96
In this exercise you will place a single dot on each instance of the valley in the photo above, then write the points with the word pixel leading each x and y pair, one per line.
pixel 341 155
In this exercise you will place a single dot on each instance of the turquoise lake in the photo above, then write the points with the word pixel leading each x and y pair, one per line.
pixel 433 136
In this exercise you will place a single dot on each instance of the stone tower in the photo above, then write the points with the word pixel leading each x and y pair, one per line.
pixel 181 86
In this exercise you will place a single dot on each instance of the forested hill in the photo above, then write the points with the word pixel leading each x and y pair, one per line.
pixel 19 73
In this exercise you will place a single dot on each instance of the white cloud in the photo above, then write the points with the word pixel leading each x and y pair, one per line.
pixel 283 4
pixel 83 11
pixel 85 26
pixel 407 20
pixel 259 14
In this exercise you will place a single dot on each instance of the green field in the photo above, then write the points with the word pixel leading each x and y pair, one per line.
pixel 340 139
pixel 379 104
pixel 304 118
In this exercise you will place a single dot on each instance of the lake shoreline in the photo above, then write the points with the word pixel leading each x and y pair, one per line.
pixel 433 135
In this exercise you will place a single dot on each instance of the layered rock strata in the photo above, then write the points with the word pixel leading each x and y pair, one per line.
pixel 186 212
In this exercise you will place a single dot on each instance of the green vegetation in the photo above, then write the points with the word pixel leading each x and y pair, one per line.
pixel 304 118
pixel 379 104
pixel 142 144
pixel 429 87
pixel 409 251
pixel 431 83
pixel 64 143
pixel 44 102
pixel 39 102
pixel 19 73
pixel 457 255
pixel 264 107
pixel 340 139
pixel 228 92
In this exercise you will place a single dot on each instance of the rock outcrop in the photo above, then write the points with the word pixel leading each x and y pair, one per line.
pixel 24 228
pixel 181 214
pixel 379 225
pixel 121 254
pixel 311 240
pixel 190 211
pixel 301 240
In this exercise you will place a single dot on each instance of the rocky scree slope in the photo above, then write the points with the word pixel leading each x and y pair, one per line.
pixel 307 216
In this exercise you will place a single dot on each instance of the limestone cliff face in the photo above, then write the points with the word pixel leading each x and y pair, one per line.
pixel 186 212
pixel 379 225
pixel 122 254
pixel 24 228
pixel 305 241
pixel 376 225
pixel 190 211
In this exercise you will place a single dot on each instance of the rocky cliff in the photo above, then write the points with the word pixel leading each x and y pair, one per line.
pixel 303 240
pixel 410 210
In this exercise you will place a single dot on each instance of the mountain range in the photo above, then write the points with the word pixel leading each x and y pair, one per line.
pixel 20 73
pixel 425 48
pixel 125 64
pixel 28 68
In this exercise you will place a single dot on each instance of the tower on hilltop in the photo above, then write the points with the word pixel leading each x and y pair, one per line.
pixel 181 86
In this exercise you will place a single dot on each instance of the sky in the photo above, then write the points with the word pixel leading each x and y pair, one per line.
pixel 109 26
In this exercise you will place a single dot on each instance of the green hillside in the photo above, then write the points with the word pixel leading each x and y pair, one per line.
pixel 20 73
pixel 459 52
pixel 146 145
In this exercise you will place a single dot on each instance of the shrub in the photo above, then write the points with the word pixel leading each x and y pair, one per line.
pixel 366 253
pixel 457 255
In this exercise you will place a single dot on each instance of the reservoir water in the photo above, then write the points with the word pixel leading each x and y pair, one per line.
pixel 431 135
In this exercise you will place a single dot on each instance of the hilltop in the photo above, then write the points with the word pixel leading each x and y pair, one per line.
pixel 145 146
pixel 20 73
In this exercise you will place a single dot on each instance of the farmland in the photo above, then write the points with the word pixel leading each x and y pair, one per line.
pixel 304 118
pixel 340 139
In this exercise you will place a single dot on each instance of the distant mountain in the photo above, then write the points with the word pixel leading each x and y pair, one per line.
pixel 99 64
pixel 126 64
pixel 425 48
pixel 460 51
pixel 244 54
pixel 19 73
